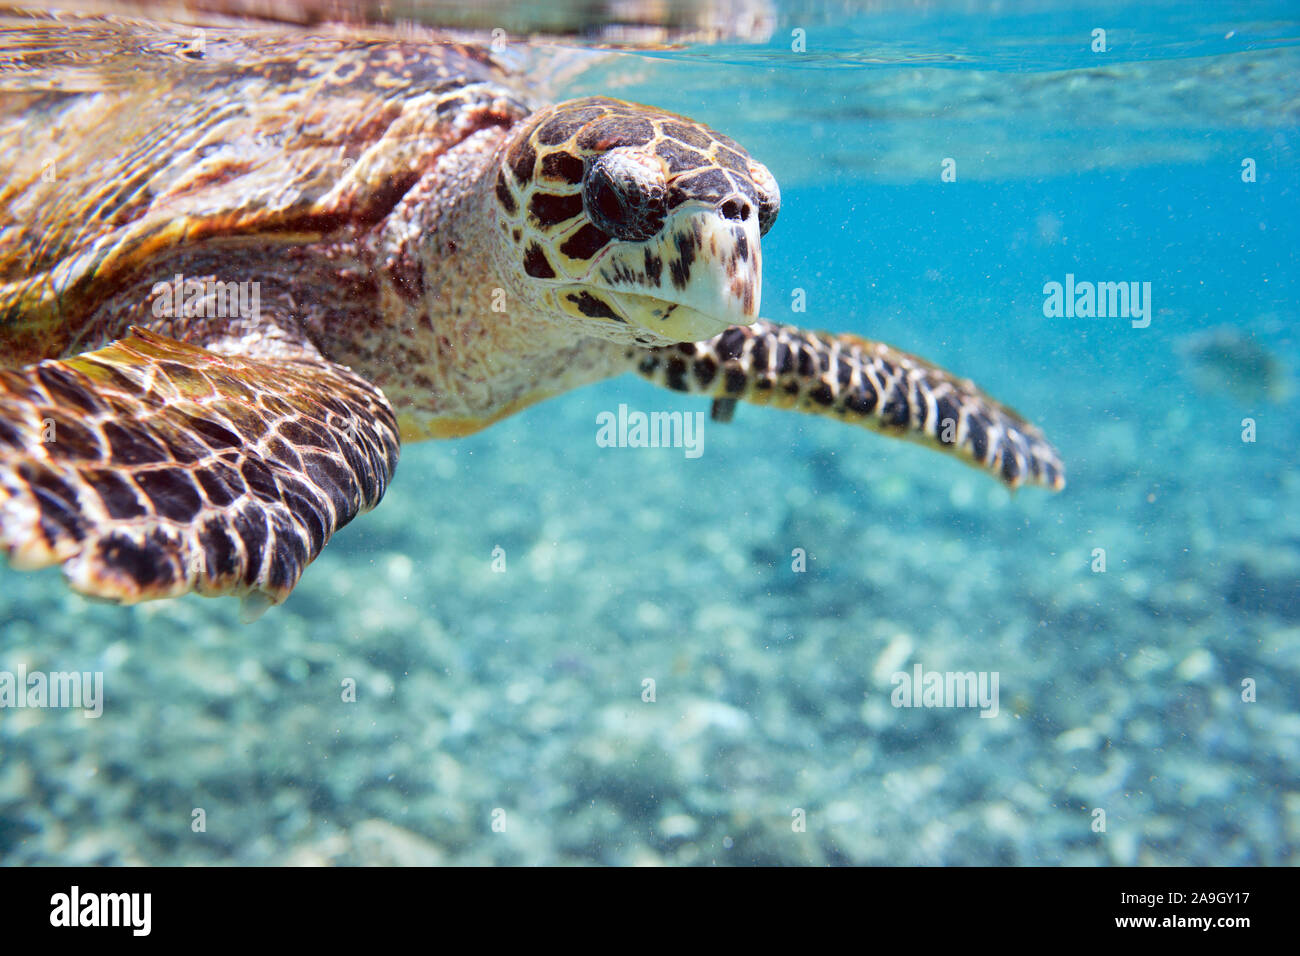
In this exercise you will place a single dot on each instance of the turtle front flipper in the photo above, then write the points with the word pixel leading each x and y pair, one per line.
pixel 862 382
pixel 151 468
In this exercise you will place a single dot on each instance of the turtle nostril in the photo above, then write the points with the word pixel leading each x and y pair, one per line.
pixel 732 209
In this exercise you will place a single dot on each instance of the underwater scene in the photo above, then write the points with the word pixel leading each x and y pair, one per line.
pixel 772 598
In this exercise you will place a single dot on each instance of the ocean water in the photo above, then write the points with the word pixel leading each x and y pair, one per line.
pixel 699 660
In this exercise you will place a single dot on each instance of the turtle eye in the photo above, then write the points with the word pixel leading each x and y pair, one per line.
pixel 769 196
pixel 625 195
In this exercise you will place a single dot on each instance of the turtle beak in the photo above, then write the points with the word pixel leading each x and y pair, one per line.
pixel 700 275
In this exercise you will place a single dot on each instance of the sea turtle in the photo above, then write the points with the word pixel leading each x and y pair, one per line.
pixel 233 282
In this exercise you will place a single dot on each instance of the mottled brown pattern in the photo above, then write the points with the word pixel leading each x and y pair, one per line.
pixel 861 382
pixel 272 134
pixel 432 252
pixel 151 468
pixel 610 194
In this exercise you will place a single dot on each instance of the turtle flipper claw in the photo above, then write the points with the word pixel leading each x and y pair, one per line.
pixel 151 468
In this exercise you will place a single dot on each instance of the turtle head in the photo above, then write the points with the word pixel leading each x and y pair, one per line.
pixel 642 224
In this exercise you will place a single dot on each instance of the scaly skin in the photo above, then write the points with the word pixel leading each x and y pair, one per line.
pixel 860 382
pixel 431 254
pixel 151 468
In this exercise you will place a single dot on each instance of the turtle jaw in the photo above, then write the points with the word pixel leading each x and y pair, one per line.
pixel 673 322
pixel 696 278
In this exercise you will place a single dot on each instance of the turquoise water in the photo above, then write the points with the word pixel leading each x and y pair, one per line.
pixel 1147 713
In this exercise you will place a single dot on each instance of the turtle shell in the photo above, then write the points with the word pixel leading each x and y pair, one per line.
pixel 124 139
